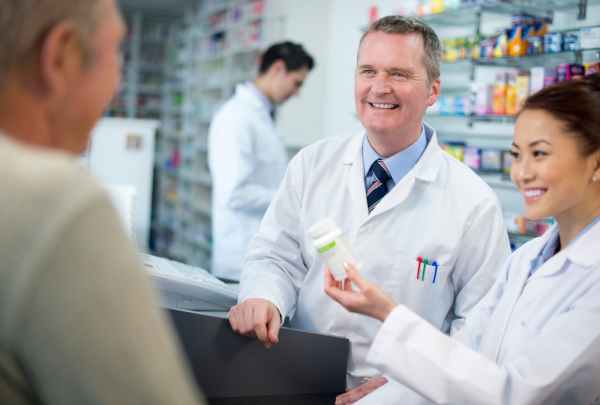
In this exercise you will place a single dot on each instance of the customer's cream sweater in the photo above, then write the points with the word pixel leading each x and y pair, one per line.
pixel 78 321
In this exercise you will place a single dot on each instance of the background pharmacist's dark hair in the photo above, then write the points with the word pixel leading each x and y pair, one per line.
pixel 408 25
pixel 293 55
pixel 577 104
pixel 24 23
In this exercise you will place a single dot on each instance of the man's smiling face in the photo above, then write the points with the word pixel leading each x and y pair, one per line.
pixel 391 90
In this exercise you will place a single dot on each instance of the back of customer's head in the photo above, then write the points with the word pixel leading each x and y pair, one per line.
pixel 59 67
pixel 577 104
pixel 293 55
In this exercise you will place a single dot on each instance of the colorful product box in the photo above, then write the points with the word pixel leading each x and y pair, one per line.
pixel 549 81
pixel 522 91
pixel 507 161
pixel 487 47
pixel 511 94
pixel 592 67
pixel 562 72
pixel 522 28
pixel 447 105
pixel 541 26
pixel 485 99
pixel 501 46
pixel 455 150
pixel 538 77
pixel 498 106
pixel 491 160
pixel 590 38
pixel 553 42
pixel 472 157
pixel 576 71
pixel 535 45
pixel 570 42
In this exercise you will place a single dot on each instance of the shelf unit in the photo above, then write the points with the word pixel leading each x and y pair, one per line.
pixel 215 47
pixel 143 65
pixel 497 131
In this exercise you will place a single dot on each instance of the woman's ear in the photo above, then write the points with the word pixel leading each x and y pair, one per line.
pixel 596 174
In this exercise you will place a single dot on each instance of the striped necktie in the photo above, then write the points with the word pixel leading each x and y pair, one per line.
pixel 378 189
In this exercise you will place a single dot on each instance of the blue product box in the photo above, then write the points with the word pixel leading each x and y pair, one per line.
pixel 535 45
pixel 570 42
pixel 553 42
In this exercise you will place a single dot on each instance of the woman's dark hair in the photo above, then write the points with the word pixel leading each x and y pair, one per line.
pixel 293 55
pixel 577 104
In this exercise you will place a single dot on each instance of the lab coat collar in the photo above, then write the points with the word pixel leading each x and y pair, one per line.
pixel 255 102
pixel 426 168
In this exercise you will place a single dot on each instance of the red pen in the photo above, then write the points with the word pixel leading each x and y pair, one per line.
pixel 419 269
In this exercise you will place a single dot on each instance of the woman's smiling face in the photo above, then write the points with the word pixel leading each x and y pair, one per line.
pixel 549 168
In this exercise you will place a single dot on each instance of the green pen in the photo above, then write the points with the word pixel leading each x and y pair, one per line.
pixel 424 265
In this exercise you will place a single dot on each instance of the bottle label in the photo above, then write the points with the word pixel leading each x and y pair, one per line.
pixel 326 248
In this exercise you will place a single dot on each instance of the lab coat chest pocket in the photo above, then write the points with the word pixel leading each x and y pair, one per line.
pixel 422 295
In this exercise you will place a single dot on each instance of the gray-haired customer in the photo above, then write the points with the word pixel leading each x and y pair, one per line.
pixel 398 199
pixel 79 323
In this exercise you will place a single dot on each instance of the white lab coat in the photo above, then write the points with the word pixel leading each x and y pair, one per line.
pixel 531 340
pixel 439 211
pixel 247 161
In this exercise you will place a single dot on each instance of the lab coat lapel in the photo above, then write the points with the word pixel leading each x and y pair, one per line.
pixel 355 176
pixel 491 342
pixel 426 169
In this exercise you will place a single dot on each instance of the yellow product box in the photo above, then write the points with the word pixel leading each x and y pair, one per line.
pixel 511 94
pixel 501 47
pixel 437 6
pixel 498 105
pixel 522 90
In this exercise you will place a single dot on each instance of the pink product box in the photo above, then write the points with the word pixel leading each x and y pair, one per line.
pixel 485 99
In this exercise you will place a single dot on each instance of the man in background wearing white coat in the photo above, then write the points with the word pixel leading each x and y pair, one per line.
pixel 247 157
pixel 399 199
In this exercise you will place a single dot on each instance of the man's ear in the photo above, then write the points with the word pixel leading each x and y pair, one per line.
pixel 434 94
pixel 278 66
pixel 61 57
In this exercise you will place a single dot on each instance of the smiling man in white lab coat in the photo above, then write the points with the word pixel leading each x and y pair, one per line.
pixel 398 198
pixel 247 157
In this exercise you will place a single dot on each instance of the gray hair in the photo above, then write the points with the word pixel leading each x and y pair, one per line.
pixel 407 25
pixel 24 23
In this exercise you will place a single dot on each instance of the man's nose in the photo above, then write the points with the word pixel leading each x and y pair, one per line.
pixel 382 84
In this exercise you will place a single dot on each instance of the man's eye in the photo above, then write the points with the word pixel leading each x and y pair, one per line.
pixel 399 75
pixel 368 72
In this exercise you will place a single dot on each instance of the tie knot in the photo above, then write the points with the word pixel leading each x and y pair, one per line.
pixel 380 171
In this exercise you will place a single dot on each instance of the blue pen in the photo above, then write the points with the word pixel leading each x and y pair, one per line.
pixel 435 274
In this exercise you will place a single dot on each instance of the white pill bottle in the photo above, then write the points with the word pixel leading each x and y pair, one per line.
pixel 332 245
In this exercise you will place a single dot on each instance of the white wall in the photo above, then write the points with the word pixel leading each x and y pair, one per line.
pixel 307 22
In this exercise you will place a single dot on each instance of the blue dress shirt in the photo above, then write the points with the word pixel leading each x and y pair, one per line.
pixel 550 247
pixel 398 165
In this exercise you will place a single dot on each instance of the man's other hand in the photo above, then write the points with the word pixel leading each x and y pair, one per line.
pixel 351 396
pixel 256 318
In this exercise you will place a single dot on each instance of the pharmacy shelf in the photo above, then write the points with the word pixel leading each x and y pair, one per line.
pixel 471 15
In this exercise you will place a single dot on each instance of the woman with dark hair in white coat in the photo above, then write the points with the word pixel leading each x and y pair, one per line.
pixel 535 337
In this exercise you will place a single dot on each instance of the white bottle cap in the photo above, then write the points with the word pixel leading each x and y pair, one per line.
pixel 321 228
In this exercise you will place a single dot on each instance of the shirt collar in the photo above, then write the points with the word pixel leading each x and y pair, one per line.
pixel 399 164
pixel 260 95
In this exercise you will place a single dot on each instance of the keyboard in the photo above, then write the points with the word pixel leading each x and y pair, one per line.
pixel 187 287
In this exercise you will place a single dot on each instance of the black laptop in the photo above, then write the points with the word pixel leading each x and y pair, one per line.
pixel 230 369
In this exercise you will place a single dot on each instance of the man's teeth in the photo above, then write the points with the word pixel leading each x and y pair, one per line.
pixel 534 192
pixel 387 106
